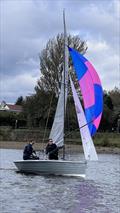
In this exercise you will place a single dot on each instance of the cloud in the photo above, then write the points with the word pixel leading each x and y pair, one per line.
pixel 12 88
pixel 106 62
pixel 27 25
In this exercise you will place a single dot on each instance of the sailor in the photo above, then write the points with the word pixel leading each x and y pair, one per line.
pixel 29 152
pixel 52 150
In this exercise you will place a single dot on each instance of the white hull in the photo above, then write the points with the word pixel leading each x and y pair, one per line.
pixel 52 167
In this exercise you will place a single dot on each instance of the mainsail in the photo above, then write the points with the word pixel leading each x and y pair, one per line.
pixel 87 142
pixel 57 131
pixel 91 89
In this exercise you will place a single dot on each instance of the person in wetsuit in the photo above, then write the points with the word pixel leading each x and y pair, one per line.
pixel 52 150
pixel 29 152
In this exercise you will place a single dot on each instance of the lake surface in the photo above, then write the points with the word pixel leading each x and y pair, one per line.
pixel 99 192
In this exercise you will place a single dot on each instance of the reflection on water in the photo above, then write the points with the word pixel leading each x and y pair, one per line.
pixel 21 193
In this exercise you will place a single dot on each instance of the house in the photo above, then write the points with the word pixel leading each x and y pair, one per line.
pixel 10 107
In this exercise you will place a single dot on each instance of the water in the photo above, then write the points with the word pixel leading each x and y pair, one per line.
pixel 99 192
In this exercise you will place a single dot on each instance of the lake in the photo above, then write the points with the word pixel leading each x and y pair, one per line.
pixel 99 192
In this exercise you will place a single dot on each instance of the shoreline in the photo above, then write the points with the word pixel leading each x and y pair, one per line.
pixel 71 147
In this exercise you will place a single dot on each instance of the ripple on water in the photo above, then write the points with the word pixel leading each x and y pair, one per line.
pixel 98 193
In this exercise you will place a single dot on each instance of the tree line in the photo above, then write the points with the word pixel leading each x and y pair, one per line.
pixel 37 108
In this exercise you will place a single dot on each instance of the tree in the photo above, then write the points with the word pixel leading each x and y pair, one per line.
pixel 19 101
pixel 111 110
pixel 37 107
pixel 106 121
pixel 51 62
pixel 108 100
pixel 115 97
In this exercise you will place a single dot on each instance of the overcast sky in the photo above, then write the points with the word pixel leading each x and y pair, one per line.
pixel 27 25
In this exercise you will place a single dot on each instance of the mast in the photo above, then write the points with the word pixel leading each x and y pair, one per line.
pixel 57 130
pixel 65 69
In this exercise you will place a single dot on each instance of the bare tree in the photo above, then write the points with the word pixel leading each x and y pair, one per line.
pixel 51 61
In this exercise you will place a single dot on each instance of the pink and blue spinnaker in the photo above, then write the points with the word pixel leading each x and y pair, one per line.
pixel 91 89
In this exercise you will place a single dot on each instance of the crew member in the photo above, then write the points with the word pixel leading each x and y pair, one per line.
pixel 29 152
pixel 52 150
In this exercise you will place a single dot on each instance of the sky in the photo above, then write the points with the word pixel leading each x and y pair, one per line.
pixel 27 25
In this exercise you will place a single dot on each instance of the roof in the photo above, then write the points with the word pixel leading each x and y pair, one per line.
pixel 17 108
pixel 10 107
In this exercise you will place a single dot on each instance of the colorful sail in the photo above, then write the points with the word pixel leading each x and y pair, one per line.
pixel 87 142
pixel 91 89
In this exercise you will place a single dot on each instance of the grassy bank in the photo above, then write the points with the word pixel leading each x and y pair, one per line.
pixel 100 139
pixel 70 148
pixel 107 140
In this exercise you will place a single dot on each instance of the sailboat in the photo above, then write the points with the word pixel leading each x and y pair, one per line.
pixel 88 120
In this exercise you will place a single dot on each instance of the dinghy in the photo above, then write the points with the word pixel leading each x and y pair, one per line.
pixel 88 119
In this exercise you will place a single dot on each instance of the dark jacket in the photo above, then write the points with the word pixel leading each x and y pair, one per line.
pixel 28 151
pixel 52 151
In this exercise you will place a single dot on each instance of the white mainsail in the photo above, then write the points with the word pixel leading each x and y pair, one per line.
pixel 87 142
pixel 57 131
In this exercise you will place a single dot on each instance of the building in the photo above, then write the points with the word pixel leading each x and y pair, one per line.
pixel 10 107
